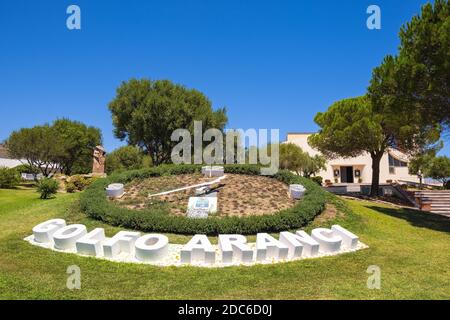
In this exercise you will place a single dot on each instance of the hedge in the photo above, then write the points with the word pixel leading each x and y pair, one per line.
pixel 96 205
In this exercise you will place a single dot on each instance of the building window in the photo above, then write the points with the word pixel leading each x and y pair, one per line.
pixel 395 163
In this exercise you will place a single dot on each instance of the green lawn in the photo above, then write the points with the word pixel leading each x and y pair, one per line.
pixel 411 248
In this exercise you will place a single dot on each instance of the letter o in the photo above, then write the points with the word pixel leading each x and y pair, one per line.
pixel 66 238
pixel 151 247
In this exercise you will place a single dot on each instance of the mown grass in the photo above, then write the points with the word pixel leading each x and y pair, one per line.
pixel 411 248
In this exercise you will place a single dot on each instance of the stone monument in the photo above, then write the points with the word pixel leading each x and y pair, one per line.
pixel 98 166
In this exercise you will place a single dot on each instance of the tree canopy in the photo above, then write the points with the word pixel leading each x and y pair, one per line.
pixel 63 146
pixel 124 158
pixel 38 145
pixel 412 89
pixel 313 165
pixel 432 166
pixel 350 128
pixel 146 112
pixel 78 140
pixel 292 157
pixel 439 169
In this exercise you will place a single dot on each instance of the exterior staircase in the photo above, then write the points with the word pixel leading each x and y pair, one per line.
pixel 434 201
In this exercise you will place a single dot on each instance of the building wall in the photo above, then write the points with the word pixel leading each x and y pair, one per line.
pixel 362 163
pixel 10 163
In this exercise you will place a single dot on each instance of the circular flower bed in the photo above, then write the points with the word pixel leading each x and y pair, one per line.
pixel 238 194
pixel 96 205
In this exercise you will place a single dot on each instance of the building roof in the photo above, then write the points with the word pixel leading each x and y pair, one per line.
pixel 292 133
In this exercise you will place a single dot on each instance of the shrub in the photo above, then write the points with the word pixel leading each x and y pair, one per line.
pixel 9 178
pixel 447 185
pixel 95 204
pixel 47 187
pixel 317 179
pixel 78 183
pixel 71 187
pixel 26 168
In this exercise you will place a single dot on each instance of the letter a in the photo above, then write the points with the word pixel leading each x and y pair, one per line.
pixel 74 20
pixel 374 20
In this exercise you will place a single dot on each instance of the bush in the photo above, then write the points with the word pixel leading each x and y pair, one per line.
pixel 447 185
pixel 26 168
pixel 9 178
pixel 47 187
pixel 71 187
pixel 78 183
pixel 95 204
pixel 317 179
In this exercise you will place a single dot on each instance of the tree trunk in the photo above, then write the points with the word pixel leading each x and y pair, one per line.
pixel 376 158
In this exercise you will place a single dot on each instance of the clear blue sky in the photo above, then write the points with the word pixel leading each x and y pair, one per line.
pixel 273 64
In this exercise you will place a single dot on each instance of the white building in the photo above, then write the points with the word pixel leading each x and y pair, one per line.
pixel 7 161
pixel 393 165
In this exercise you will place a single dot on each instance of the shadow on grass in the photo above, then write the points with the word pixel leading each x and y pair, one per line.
pixel 417 218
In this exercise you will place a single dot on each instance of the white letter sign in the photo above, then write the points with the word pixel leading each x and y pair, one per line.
pixel 231 250
pixel 151 247
pixel 198 249
pixel 234 248
pixel 268 247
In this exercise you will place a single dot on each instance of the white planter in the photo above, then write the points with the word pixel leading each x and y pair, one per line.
pixel 114 190
pixel 297 191
pixel 213 171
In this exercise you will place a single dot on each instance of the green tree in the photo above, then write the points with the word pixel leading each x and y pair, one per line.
pixel 419 165
pixel 412 89
pixel 350 128
pixel 64 146
pixel 124 158
pixel 314 165
pixel 293 158
pixel 146 112
pixel 439 169
pixel 39 146
pixel 425 53
pixel 402 119
pixel 78 141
